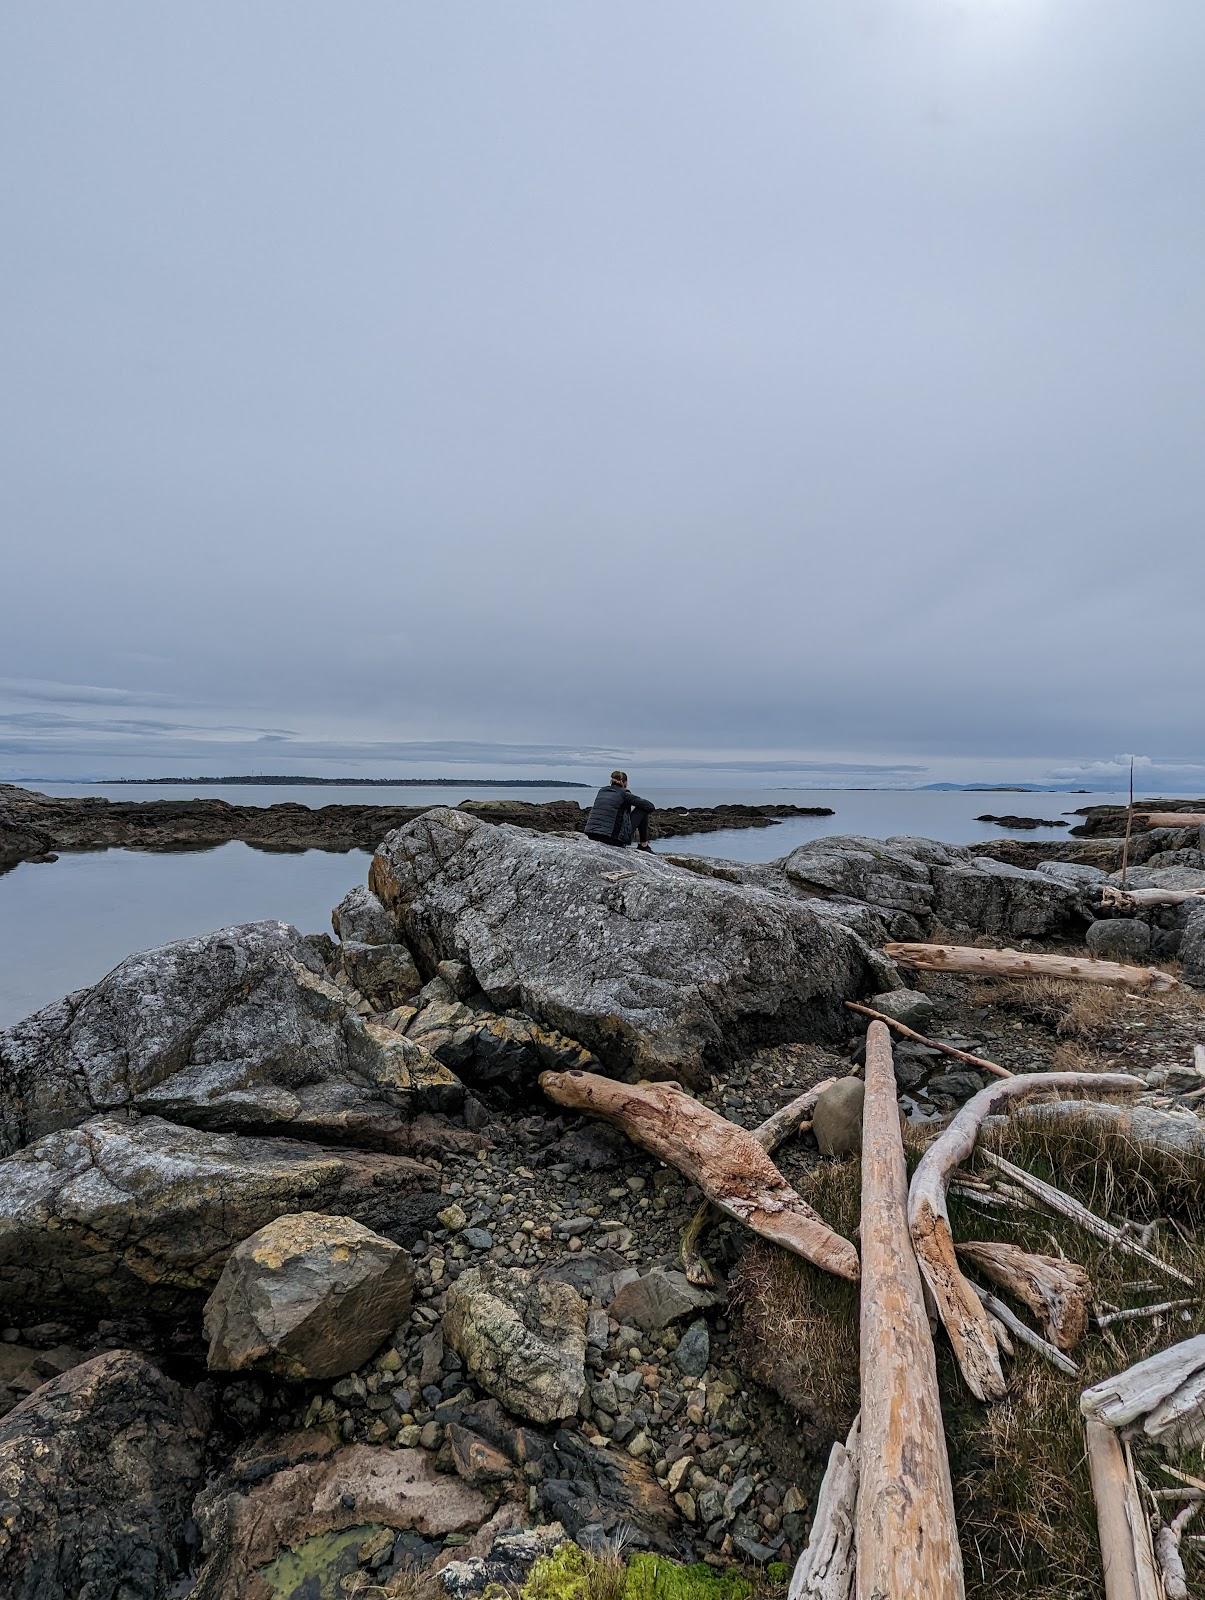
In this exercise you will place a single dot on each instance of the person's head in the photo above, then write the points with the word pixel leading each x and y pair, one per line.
pixel 620 778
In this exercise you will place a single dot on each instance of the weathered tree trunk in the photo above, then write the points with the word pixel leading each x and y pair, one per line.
pixel 907 1539
pixel 1022 964
pixel 1125 1535
pixel 1166 1393
pixel 770 1134
pixel 933 1044
pixel 958 1305
pixel 825 1570
pixel 726 1162
pixel 1058 1292
pixel 1173 819
pixel 1134 899
pixel 1065 1205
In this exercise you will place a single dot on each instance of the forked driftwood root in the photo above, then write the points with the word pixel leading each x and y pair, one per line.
pixel 962 1313
pixel 1022 964
pixel 1058 1292
pixel 906 1536
pixel 726 1161
pixel 775 1130
pixel 825 1569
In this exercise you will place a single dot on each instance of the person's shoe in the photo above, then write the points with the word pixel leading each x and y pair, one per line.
pixel 644 847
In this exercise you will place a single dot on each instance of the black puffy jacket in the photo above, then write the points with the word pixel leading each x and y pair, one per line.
pixel 611 814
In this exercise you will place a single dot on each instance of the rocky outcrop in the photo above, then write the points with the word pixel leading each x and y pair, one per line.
pixel 606 1497
pixel 1192 950
pixel 307 1296
pixel 523 1339
pixel 97 1472
pixel 306 1509
pixel 657 970
pixel 33 824
pixel 141 1214
pixel 236 1029
pixel 370 959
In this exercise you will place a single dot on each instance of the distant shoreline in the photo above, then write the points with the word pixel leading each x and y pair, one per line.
pixel 361 783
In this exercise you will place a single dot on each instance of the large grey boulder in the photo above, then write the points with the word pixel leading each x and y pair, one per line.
pixel 658 970
pixel 307 1296
pixel 140 1214
pixel 985 896
pixel 1192 950
pixel 98 1469
pixel 837 1118
pixel 360 918
pixel 236 1029
pixel 522 1338
pixel 1119 939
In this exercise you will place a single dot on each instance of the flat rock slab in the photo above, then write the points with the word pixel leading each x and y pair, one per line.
pixel 307 1296
pixel 658 970
pixel 238 1028
pixel 282 1497
pixel 657 1298
pixel 141 1214
pixel 97 1473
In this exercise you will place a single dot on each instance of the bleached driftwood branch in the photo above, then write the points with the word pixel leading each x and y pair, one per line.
pixel 1125 1534
pixel 959 1307
pixel 1058 1292
pixel 1024 964
pixel 825 1569
pixel 1165 1394
pixel 726 1161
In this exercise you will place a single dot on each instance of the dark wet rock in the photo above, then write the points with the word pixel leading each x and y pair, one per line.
pixel 1026 823
pixel 693 1351
pixel 655 969
pixel 500 1051
pixel 504 1566
pixel 295 1504
pixel 97 1472
pixel 140 1214
pixel 837 1118
pixel 307 1296
pixel 595 1274
pixel 595 1494
pixel 475 1459
pixel 952 1088
pixel 522 1338
pixel 236 1029
pixel 658 1297
pixel 1119 939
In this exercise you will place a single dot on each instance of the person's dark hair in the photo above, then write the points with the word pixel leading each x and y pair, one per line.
pixel 619 777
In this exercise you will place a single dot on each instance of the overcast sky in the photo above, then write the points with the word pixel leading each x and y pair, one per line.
pixel 792 388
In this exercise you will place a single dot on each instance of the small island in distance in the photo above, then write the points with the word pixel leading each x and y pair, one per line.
pixel 371 783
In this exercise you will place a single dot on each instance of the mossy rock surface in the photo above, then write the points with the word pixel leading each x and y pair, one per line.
pixel 571 1573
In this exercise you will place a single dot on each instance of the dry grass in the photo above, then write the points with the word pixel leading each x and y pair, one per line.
pixel 1072 1010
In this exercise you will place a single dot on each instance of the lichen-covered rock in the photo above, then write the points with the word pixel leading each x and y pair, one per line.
pixel 385 974
pixel 657 970
pixel 912 1007
pixel 360 918
pixel 994 898
pixel 522 1338
pixel 287 1507
pixel 1119 939
pixel 658 1297
pixel 307 1296
pixel 236 1029
pixel 97 1472
pixel 141 1214
pixel 1192 950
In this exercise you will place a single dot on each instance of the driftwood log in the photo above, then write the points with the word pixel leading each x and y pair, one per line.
pixel 1135 899
pixel 1023 964
pixel 1058 1292
pixel 825 1569
pixel 962 1313
pixel 725 1161
pixel 1173 819
pixel 774 1131
pixel 1125 1535
pixel 906 1538
pixel 1065 1205
pixel 934 1044
pixel 1164 1395
pixel 1162 1138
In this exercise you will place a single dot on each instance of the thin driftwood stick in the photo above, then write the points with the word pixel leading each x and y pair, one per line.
pixel 1064 1205
pixel 726 1162
pixel 906 1539
pixel 1058 1292
pixel 1137 1313
pixel 825 1569
pixel 1022 964
pixel 1125 1535
pixel 1166 1392
pixel 1013 1324
pixel 775 1130
pixel 957 1303
pixel 933 1044
pixel 1167 1553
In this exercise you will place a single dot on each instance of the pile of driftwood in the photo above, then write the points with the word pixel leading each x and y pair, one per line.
pixel 884 1524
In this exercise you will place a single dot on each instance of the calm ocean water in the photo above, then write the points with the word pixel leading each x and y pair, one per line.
pixel 64 924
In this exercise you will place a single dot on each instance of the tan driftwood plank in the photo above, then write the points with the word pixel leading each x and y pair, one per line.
pixel 1027 964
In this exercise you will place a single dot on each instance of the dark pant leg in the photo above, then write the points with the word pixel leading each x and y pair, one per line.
pixel 641 822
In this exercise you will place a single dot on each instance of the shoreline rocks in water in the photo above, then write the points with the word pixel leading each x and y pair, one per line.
pixel 33 825
pixel 1022 822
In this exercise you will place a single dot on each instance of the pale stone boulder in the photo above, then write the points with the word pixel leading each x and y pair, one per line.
pixel 522 1338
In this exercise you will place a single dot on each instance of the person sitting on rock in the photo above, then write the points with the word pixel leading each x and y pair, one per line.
pixel 617 813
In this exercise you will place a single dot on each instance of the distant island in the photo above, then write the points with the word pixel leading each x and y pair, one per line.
pixel 368 783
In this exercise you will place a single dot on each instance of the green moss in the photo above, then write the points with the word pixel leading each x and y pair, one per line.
pixel 572 1574
pixel 314 1569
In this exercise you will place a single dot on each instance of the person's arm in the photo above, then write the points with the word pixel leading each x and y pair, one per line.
pixel 637 803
